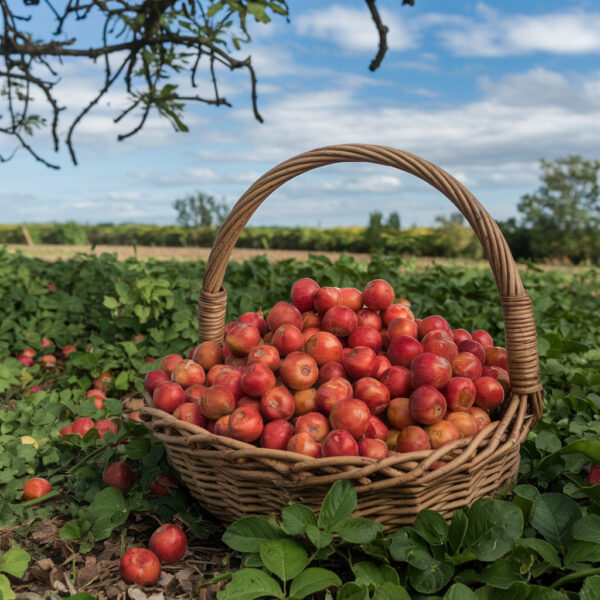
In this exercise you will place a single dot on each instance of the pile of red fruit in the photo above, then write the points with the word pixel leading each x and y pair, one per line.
pixel 337 372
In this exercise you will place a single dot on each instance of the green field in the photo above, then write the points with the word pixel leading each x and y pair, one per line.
pixel 540 540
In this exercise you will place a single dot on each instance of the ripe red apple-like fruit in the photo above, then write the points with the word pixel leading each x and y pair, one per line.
pixel 118 475
pixel 366 336
pixel 287 338
pixel 483 337
pixel 303 293
pixel 36 487
pixel 496 356
pixel 369 318
pixel 352 415
pixel 460 335
pixel 403 349
pixel 277 434
pixel 474 348
pixel 277 403
pixel 26 360
pixel 299 371
pixel 396 311
pixel 460 393
pixel 427 405
pixel 398 413
pixel 168 396
pixel 412 439
pixel 241 338
pixel 430 369
pixel 500 374
pixel 46 342
pixel 188 372
pixel 98 396
pixel 466 364
pixel 265 354
pixel 169 543
pixel 310 320
pixel 28 352
pixel 194 393
pixel 329 370
pixel 313 423
pixel 373 393
pixel 444 348
pixel 339 442
pixel 163 485
pixel 442 433
pixel 302 443
pixel 383 364
pixel 208 354
pixel 361 362
pixel 140 566
pixel 305 401
pixel 167 363
pixel 490 393
pixel 153 379
pixel 433 322
pixel 331 392
pixel 464 422
pixel 214 371
pixel 82 425
pixel 282 313
pixel 378 294
pixel 220 426
pixel 256 319
pixel 327 297
pixel 190 412
pixel 105 425
pixel 373 448
pixel 377 429
pixel 216 402
pixel 49 360
pixel 480 416
pixel 65 431
pixel 245 424
pixel 352 298
pixel 401 326
pixel 231 380
pixel 339 320
pixel 324 347
pixel 68 349
pixel 257 379
pixel 397 380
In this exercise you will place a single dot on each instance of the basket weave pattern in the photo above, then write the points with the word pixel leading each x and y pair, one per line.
pixel 233 479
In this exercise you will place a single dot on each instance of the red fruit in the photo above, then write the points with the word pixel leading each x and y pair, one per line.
pixel 245 424
pixel 68 349
pixel 216 402
pixel 231 380
pixel 444 348
pixel 282 313
pixel 327 297
pixel 466 364
pixel 49 360
pixel 500 374
pixel 28 352
pixel 397 380
pixel 214 371
pixel 313 423
pixel 299 371
pixel 277 403
pixel 377 429
pixel 392 439
pixel 332 391
pixel 302 443
pixel 352 298
pixel 140 566
pixel 167 363
pixel 329 370
pixel 427 405
pixel 361 362
pixel 169 543
pixel 82 425
pixel 433 322
pixel 373 393
pixel 369 318
pixel 220 426
pixel 163 485
pixel 594 476
pixel 474 348
pixel 340 320
pixel 208 354
pixel 194 393
pixel 241 338
pixel 366 336
pixel 460 335
pixel 413 439
pixel 430 369
pixel 398 413
pixel 464 422
pixel 403 349
pixel 352 415
pixel 401 326
pixel 442 433
pixel 104 425
pixel 378 294
pixel 480 416
pixel 277 434
pixel 153 379
pixel 396 311
pixel 265 354
pixel 168 396
pixel 257 379
pixel 46 342
pixel 310 320
pixel 26 360
pixel 490 393
pixel 287 338
pixel 188 372
pixel 256 319
pixel 190 412
pixel 103 381
pixel 437 334
pixel 372 448
pixel 305 401
pixel 339 442
pixel 483 337
pixel 66 431
pixel 303 293
pixel 36 487
pixel 324 347
pixel 383 364
pixel 460 393
pixel 118 475
pixel 495 356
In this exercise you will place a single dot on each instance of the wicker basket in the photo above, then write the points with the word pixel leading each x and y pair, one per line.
pixel 233 479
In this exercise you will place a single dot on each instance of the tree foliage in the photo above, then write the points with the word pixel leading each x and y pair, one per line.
pixel 200 210
pixel 143 46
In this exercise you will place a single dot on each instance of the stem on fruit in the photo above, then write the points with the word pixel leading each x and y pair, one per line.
pixel 575 577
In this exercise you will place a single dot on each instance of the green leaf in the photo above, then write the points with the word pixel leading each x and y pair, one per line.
pixel 390 591
pixel 247 534
pixel 284 557
pixel 587 528
pixel 311 581
pixel 591 449
pixel 110 302
pixel 6 592
pixel 406 549
pixel 457 530
pixel 583 552
pixel 523 498
pixel 296 518
pixel 500 574
pixel 358 530
pixel 366 573
pixel 81 596
pixel 546 550
pixel 432 527
pixel 431 579
pixel 493 529
pixel 337 506
pixel 547 441
pixel 14 561
pixel 319 539
pixel 70 531
pixel 553 516
pixel 352 591
pixel 459 591
pixel 249 584
pixel 590 590
pixel 137 448
pixel 109 504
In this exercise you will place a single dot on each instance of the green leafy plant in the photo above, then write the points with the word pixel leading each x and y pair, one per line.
pixel 12 562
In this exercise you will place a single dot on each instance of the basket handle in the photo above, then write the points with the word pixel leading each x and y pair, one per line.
pixel 521 336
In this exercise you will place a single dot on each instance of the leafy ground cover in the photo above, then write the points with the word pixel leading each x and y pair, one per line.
pixel 539 540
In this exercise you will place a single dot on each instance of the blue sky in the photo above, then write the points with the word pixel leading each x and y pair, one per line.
pixel 484 89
